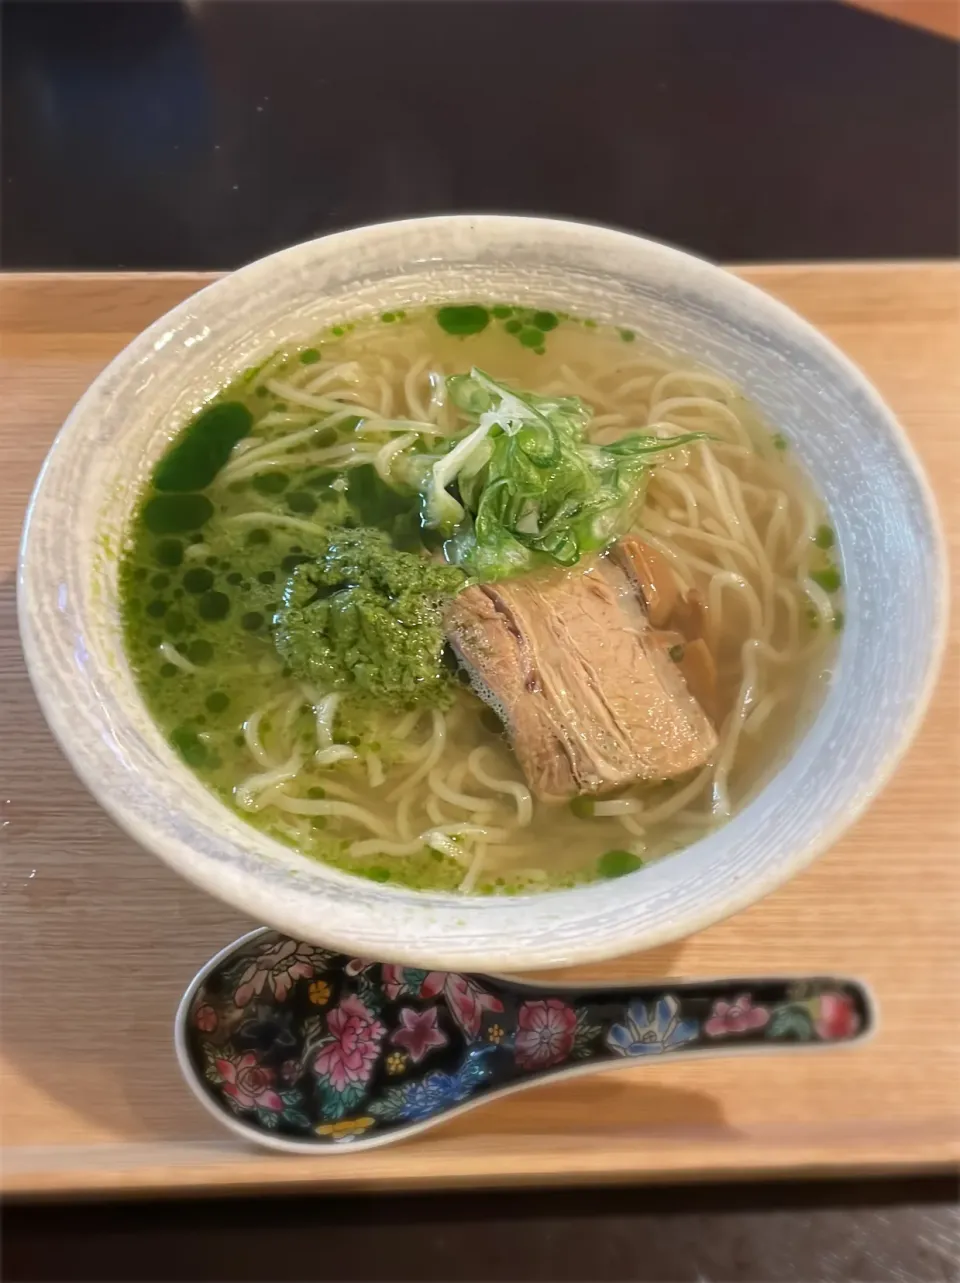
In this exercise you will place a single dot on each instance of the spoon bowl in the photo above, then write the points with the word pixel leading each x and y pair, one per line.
pixel 299 1048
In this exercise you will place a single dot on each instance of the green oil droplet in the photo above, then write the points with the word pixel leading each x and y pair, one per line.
pixel 198 580
pixel 545 321
pixel 189 745
pixel 829 579
pixel 169 552
pixel 270 482
pixel 469 319
pixel 167 514
pixel 200 652
pixel 214 606
pixel 303 502
pixel 203 447
pixel 614 864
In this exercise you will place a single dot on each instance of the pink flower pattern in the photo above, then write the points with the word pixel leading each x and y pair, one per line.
pixel 546 1030
pixel 347 1057
pixel 393 980
pixel 248 1083
pixel 836 1017
pixel 205 1018
pixel 736 1017
pixel 418 1032
pixel 277 967
pixel 466 1000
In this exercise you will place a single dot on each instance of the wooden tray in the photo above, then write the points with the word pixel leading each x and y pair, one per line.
pixel 99 938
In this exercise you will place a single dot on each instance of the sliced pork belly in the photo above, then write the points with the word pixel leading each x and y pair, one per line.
pixel 589 695
pixel 684 615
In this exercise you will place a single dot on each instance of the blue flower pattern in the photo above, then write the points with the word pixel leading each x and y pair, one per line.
pixel 650 1031
pixel 435 1092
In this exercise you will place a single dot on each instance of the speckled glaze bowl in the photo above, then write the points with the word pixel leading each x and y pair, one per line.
pixel 887 534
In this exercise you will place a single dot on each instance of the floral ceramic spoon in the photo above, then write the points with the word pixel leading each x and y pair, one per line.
pixel 302 1049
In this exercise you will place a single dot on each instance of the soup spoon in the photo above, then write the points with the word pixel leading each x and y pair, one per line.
pixel 299 1048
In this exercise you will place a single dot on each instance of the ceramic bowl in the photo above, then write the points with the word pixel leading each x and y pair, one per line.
pixel 860 461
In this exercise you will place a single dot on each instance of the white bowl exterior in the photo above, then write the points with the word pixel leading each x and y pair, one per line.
pixel 887 534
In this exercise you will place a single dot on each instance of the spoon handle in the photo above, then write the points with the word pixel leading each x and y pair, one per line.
pixel 505 1034
pixel 679 1017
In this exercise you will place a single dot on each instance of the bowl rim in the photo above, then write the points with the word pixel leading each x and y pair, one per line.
pixel 246 892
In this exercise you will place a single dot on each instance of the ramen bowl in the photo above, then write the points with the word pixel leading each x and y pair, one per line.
pixel 858 458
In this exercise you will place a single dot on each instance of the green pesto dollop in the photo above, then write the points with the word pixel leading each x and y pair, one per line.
pixel 367 619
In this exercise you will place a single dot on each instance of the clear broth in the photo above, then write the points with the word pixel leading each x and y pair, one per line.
pixel 198 601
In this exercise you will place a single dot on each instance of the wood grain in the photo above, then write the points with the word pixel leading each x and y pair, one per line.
pixel 99 938
pixel 939 16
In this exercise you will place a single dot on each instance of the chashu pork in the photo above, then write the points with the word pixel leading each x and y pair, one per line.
pixel 681 614
pixel 590 697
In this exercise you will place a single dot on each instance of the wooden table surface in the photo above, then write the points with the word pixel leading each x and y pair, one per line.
pixel 99 938
pixel 940 16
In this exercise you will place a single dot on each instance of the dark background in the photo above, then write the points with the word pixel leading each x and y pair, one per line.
pixel 150 135
pixel 868 1232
